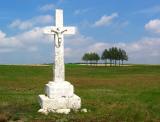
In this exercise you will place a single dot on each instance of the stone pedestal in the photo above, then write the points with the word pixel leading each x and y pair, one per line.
pixel 59 98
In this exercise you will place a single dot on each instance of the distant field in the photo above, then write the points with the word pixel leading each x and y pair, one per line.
pixel 111 94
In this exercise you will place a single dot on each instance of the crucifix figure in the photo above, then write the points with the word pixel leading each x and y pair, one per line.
pixel 59 34
pixel 59 31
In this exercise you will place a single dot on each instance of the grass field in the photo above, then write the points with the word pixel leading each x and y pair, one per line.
pixel 111 94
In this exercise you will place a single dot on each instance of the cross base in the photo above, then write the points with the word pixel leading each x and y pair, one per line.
pixel 59 98
pixel 59 89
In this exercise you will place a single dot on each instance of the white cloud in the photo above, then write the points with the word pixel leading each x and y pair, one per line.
pixel 28 24
pixel 21 25
pixel 76 46
pixel 139 47
pixel 2 35
pixel 105 20
pixel 23 41
pixel 77 40
pixel 6 42
pixel 145 50
pixel 32 49
pixel 68 52
pixel 43 19
pixel 9 44
pixel 98 47
pixel 47 7
pixel 152 10
pixel 32 36
pixel 153 26
pixel 5 50
pixel 80 11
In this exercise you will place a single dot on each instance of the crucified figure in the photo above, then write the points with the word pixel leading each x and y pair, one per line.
pixel 59 34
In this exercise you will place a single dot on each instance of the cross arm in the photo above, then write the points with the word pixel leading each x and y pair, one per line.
pixel 64 30
pixel 49 30
pixel 69 30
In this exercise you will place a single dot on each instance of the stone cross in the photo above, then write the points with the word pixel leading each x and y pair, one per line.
pixel 59 31
pixel 59 94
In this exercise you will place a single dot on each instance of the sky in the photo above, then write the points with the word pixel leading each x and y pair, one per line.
pixel 101 24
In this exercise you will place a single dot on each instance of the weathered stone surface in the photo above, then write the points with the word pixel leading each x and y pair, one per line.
pixel 63 111
pixel 59 89
pixel 46 103
pixel 43 111
pixel 59 31
pixel 84 110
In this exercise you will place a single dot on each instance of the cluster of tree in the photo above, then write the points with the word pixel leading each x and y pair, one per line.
pixel 91 58
pixel 113 56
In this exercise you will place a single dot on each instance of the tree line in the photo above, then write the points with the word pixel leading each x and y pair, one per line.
pixel 113 56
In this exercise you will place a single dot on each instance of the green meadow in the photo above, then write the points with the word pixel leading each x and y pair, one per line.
pixel 110 94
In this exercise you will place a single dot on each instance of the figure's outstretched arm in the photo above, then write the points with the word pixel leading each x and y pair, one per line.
pixel 63 31
pixel 54 31
pixel 54 37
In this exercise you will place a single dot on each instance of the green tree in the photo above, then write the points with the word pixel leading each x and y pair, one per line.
pixel 96 58
pixel 120 55
pixel 86 57
pixel 91 57
pixel 105 56
pixel 114 54
pixel 110 56
pixel 124 56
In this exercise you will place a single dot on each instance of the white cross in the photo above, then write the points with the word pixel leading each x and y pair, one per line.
pixel 59 31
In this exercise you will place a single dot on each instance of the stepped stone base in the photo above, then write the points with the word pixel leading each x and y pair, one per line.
pixel 59 98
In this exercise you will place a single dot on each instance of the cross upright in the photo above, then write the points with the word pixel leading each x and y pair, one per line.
pixel 59 31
